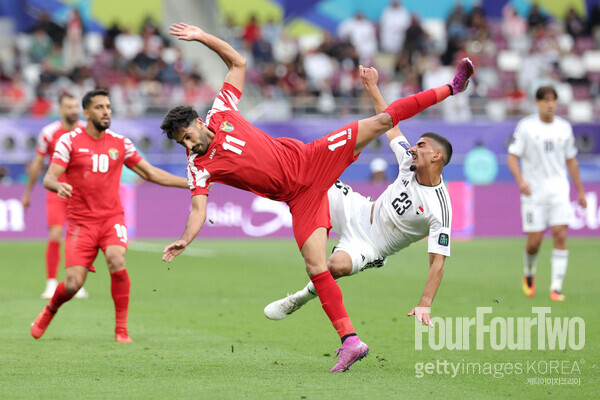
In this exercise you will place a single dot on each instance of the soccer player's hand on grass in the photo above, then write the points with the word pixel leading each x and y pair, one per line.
pixel 422 314
pixel 173 250
pixel 185 31
pixel 524 188
pixel 64 190
pixel 369 76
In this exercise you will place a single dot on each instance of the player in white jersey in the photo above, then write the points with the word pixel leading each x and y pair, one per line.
pixel 416 205
pixel 546 146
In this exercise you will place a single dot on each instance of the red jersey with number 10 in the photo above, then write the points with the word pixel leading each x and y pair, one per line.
pixel 93 168
pixel 243 156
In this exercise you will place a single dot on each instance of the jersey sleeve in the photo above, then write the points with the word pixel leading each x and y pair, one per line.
pixel 198 178
pixel 62 150
pixel 43 142
pixel 439 239
pixel 401 149
pixel 132 157
pixel 570 148
pixel 518 141
pixel 227 100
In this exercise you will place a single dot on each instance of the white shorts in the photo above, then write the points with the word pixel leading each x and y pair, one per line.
pixel 537 215
pixel 350 214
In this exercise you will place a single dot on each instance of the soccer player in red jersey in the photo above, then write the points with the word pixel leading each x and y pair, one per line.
pixel 56 208
pixel 228 149
pixel 91 159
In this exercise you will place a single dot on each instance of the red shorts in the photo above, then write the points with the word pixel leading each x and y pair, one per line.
pixel 56 210
pixel 85 238
pixel 324 161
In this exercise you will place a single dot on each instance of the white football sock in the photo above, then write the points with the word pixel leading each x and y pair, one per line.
pixel 529 263
pixel 560 259
pixel 306 294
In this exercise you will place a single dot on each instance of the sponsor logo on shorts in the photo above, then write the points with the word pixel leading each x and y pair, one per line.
pixel 113 153
pixel 226 126
pixel 444 240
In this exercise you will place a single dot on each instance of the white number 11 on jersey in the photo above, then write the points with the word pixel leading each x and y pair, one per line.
pixel 231 147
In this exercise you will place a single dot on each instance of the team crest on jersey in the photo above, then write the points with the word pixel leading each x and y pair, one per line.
pixel 113 153
pixel 420 210
pixel 226 126
pixel 444 240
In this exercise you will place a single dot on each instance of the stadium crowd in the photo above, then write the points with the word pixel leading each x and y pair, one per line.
pixel 146 72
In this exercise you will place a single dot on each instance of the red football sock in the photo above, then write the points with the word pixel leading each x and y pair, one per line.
pixel 119 288
pixel 52 259
pixel 60 296
pixel 331 300
pixel 406 107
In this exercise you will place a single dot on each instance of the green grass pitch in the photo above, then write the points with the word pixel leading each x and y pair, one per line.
pixel 199 331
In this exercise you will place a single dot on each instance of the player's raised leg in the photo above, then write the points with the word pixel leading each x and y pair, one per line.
pixel 404 108
pixel 120 286
pixel 64 292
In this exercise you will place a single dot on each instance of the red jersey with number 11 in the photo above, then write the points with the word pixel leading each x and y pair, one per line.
pixel 243 156
pixel 93 168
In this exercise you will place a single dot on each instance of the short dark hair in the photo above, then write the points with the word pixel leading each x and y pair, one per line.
pixel 177 118
pixel 545 90
pixel 64 95
pixel 443 142
pixel 87 99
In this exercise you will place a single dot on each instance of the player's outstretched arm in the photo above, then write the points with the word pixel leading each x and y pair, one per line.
pixel 573 167
pixel 156 175
pixel 434 278
pixel 234 60
pixel 192 228
pixel 35 169
pixel 63 189
pixel 369 77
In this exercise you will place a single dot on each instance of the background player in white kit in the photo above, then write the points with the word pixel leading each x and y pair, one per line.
pixel 416 205
pixel 546 146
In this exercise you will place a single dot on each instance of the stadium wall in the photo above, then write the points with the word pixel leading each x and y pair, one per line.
pixel 157 212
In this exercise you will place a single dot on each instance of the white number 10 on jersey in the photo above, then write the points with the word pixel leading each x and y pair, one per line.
pixel 99 163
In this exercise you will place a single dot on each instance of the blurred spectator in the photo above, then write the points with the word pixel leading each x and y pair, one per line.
pixel 360 32
pixel 394 22
pixel 319 69
pixel 54 31
pixel 516 99
pixel 536 19
pixel 574 25
pixel 262 51
pixel 378 169
pixel 74 39
pixel 514 26
pixel 251 32
pixel 271 30
pixel 415 38
pixel 456 24
pixel 40 45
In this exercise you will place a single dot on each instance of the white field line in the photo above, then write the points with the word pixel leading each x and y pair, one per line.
pixel 158 248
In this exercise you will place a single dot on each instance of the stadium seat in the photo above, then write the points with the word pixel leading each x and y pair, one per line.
pixel 581 111
pixel 509 60
pixel 581 92
pixel 571 66
pixel 93 43
pixel 591 60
